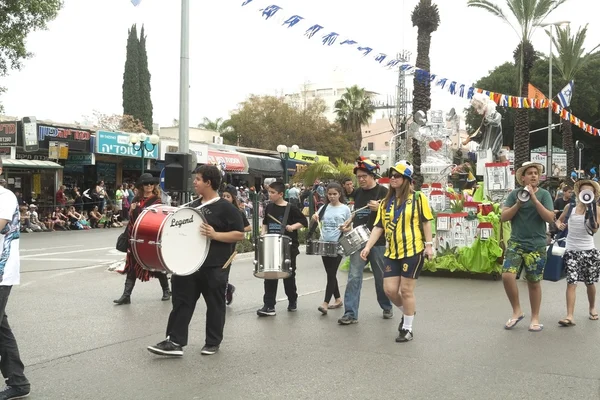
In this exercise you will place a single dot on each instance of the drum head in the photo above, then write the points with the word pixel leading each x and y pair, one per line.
pixel 183 248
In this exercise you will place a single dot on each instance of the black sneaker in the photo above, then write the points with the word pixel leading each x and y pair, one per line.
pixel 13 392
pixel 388 314
pixel 166 348
pixel 209 350
pixel 229 294
pixel 347 320
pixel 266 312
pixel 402 321
pixel 293 307
pixel 404 336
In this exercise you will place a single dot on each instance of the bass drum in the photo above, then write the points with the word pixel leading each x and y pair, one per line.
pixel 167 239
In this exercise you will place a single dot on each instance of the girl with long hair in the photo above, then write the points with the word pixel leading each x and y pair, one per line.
pixel 335 214
pixel 405 218
pixel 230 194
pixel 148 193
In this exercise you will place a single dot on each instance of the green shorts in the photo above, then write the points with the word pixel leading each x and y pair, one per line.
pixel 533 262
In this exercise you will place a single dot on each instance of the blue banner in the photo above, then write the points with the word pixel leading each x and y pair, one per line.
pixel 117 144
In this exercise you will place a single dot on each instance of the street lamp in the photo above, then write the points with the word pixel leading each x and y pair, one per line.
pixel 284 153
pixel 550 25
pixel 141 142
pixel 379 160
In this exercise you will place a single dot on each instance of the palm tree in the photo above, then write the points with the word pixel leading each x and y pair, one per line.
pixel 354 109
pixel 426 18
pixel 218 125
pixel 529 14
pixel 571 58
pixel 326 170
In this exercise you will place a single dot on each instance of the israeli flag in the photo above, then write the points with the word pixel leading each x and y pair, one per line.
pixel 565 95
pixel 136 2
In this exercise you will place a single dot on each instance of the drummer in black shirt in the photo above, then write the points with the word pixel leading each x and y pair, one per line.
pixel 369 193
pixel 276 208
pixel 224 227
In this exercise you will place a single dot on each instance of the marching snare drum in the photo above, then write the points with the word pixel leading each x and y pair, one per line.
pixel 322 248
pixel 355 240
pixel 167 239
pixel 273 257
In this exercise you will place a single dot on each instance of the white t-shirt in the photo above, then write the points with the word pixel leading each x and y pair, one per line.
pixel 10 262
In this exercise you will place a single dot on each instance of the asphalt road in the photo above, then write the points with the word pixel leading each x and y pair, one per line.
pixel 77 345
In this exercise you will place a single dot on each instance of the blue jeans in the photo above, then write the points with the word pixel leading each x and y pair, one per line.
pixel 355 279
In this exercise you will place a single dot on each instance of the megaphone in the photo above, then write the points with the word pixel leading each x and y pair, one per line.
pixel 523 195
pixel 586 196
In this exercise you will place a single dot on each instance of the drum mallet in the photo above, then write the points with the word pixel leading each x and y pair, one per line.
pixel 228 263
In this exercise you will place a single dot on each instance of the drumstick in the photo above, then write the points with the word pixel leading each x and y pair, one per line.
pixel 345 224
pixel 230 260
pixel 274 219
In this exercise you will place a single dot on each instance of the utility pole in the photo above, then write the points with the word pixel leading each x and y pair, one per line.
pixel 184 79
pixel 401 150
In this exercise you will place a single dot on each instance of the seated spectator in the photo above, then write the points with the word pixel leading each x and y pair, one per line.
pixel 25 220
pixel 95 217
pixel 35 221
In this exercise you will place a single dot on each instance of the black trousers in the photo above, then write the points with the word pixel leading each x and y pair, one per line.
pixel 289 284
pixel 331 266
pixel 210 282
pixel 162 278
pixel 11 366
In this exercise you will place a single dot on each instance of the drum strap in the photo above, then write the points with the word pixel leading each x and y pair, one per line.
pixel 286 214
pixel 313 227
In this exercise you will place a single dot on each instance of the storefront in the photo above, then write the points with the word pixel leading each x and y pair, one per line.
pixel 172 146
pixel 34 179
pixel 234 164
pixel 117 160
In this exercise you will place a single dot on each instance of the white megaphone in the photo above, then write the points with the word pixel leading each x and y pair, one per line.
pixel 586 196
pixel 523 195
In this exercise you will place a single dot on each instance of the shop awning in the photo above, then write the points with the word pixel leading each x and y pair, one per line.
pixel 233 162
pixel 264 166
pixel 31 164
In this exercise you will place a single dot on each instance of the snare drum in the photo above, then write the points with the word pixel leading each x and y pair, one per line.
pixel 355 240
pixel 273 257
pixel 167 239
pixel 322 248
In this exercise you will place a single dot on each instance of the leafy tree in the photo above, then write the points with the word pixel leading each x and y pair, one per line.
pixel 529 14
pixel 571 58
pixel 115 122
pixel 267 121
pixel 17 19
pixel 426 18
pixel 145 99
pixel 354 109
pixel 326 170
pixel 131 76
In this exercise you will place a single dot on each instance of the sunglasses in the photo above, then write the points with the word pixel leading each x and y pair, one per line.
pixel 148 184
pixel 396 175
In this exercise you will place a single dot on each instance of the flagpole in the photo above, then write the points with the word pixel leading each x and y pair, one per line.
pixel 184 78
pixel 550 127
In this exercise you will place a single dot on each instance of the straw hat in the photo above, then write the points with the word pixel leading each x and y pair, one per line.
pixel 526 165
pixel 594 184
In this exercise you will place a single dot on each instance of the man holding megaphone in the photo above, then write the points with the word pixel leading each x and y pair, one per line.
pixel 528 209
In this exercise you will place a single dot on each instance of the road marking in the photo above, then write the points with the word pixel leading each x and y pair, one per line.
pixel 52 248
pixel 66 252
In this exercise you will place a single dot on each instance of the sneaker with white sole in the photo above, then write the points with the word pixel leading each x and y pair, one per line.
pixel 13 392
pixel 266 312
pixel 209 350
pixel 166 348
pixel 404 336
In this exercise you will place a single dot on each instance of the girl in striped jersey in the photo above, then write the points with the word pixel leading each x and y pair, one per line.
pixel 404 216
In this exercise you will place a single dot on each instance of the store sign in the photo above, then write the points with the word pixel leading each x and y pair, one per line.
pixel 232 161
pixel 172 146
pixel 118 144
pixel 8 134
pixel 311 158
pixel 62 133
pixel 37 157
pixel 559 160
pixel 58 150
pixel 81 159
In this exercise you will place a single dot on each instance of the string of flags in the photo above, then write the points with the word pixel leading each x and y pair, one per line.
pixel 331 38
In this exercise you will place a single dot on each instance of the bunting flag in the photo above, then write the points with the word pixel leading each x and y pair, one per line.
pixel 565 95
pixel 331 38
pixel 136 2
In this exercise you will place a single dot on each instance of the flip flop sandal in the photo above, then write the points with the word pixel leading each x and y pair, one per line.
pixel 566 322
pixel 513 322
pixel 539 328
pixel 334 306
pixel 593 317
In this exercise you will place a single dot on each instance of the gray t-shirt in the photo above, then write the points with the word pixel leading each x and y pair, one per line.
pixel 528 227
pixel 333 218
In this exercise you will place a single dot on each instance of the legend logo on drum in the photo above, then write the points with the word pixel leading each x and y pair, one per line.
pixel 179 222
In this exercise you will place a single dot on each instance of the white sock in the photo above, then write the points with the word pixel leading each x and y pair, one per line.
pixel 408 320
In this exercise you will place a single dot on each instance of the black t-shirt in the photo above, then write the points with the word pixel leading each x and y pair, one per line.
pixel 295 216
pixel 223 217
pixel 560 204
pixel 244 219
pixel 366 216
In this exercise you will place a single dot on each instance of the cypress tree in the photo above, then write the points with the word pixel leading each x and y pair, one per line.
pixel 131 76
pixel 145 102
